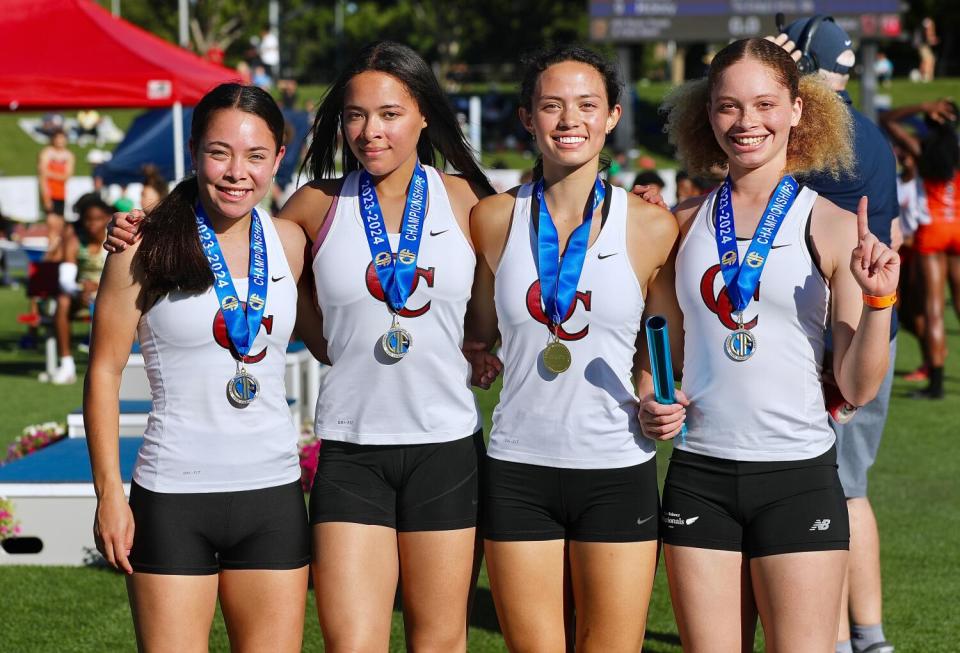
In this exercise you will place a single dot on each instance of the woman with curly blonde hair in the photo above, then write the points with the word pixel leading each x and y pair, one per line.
pixel 754 517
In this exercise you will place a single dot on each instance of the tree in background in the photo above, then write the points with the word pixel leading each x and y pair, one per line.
pixel 445 32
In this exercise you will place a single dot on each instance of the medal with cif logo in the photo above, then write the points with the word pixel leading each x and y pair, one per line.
pixel 740 343
pixel 560 274
pixel 742 280
pixel 242 325
pixel 396 277
pixel 396 341
pixel 243 388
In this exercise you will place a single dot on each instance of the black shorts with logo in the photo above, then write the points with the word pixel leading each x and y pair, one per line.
pixel 759 508
pixel 202 533
pixel 409 487
pixel 524 502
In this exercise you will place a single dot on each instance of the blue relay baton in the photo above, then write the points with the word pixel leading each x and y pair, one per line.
pixel 661 365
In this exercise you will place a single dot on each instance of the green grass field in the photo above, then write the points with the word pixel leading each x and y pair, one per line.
pixel 913 486
pixel 18 156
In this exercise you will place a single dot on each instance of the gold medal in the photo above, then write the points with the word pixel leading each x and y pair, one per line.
pixel 556 357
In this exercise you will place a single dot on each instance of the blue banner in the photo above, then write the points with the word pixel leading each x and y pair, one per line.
pixel 396 276
pixel 560 274
pixel 242 328
pixel 742 280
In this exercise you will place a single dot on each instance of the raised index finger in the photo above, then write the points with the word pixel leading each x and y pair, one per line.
pixel 863 226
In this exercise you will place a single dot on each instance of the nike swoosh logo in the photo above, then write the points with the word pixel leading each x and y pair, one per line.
pixel 278 278
pixel 847 43
pixel 603 256
pixel 641 522
pixel 779 246
pixel 437 233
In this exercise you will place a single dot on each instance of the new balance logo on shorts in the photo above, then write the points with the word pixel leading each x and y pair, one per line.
pixel 820 525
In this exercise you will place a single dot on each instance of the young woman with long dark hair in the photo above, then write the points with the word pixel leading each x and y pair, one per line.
pixel 216 508
pixel 396 489
pixel 570 484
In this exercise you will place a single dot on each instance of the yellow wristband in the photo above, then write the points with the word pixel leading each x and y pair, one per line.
pixel 883 301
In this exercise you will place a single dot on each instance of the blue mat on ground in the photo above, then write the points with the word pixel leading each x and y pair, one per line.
pixel 127 407
pixel 65 461
pixel 143 406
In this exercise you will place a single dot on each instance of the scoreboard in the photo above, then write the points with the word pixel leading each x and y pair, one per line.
pixel 632 21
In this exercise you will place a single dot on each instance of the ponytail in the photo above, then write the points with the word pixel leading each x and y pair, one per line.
pixel 170 257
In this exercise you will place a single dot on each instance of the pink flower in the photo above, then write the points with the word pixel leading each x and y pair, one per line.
pixel 309 454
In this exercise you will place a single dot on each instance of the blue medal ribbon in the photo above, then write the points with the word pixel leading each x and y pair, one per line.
pixel 560 274
pixel 396 276
pixel 742 280
pixel 242 326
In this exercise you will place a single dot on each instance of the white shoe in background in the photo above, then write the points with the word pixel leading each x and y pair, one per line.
pixel 63 376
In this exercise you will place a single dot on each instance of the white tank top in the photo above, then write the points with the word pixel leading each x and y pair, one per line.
pixel 585 417
pixel 367 397
pixel 195 440
pixel 769 407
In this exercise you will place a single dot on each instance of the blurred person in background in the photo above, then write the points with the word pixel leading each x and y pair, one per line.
pixel 649 178
pixel 883 68
pixel 155 188
pixel 686 188
pixel 926 40
pixel 913 213
pixel 80 270
pixel 55 166
pixel 937 244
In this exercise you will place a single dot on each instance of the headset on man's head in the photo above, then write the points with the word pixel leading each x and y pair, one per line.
pixel 807 63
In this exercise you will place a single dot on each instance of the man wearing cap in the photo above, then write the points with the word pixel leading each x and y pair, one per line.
pixel 822 47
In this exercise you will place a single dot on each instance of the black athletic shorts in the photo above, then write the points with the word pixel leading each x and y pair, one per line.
pixel 409 487
pixel 523 502
pixel 201 533
pixel 58 207
pixel 759 508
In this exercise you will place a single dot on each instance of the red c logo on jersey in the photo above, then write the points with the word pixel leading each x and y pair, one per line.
pixel 373 285
pixel 535 308
pixel 222 338
pixel 721 304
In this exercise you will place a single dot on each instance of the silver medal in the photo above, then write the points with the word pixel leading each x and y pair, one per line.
pixel 740 344
pixel 243 388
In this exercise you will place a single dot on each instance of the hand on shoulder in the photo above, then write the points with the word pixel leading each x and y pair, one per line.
pixel 656 222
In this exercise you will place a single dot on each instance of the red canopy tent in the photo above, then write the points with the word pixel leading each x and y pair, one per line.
pixel 74 53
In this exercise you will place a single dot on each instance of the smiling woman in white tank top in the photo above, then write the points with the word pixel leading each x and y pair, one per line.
pixel 216 508
pixel 570 482
pixel 397 486
pixel 754 517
